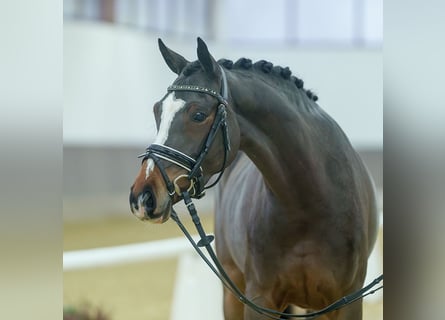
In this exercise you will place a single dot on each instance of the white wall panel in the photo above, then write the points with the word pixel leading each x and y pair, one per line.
pixel 113 76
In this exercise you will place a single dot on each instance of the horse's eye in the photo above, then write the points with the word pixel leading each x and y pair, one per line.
pixel 199 117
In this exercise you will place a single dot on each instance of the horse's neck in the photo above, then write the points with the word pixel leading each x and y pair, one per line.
pixel 274 134
pixel 282 163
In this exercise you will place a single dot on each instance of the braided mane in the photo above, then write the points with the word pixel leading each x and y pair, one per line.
pixel 261 65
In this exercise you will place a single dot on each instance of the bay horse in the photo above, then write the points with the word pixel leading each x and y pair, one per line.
pixel 296 214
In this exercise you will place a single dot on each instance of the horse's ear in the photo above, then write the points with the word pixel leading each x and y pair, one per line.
pixel 175 61
pixel 205 58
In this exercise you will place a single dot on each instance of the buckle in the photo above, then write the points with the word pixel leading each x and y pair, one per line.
pixel 178 188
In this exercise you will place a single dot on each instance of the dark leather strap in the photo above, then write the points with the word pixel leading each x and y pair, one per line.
pixel 219 271
pixel 171 154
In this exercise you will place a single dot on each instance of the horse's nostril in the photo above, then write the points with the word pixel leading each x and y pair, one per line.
pixel 148 201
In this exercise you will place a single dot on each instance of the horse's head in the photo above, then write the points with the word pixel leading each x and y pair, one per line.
pixel 198 136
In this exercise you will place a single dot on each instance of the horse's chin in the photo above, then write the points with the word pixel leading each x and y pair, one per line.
pixel 163 218
pixel 163 215
pixel 160 215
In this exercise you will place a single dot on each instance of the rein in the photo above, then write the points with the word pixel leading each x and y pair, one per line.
pixel 197 190
pixel 219 271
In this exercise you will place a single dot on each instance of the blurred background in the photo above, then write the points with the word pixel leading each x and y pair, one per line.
pixel 113 73
pixel 31 170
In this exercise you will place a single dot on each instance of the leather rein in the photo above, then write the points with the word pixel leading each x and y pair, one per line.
pixel 197 190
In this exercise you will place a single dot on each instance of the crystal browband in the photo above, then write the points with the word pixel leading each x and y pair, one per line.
pixel 198 89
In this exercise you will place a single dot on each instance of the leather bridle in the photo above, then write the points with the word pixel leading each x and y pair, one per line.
pixel 193 166
pixel 197 190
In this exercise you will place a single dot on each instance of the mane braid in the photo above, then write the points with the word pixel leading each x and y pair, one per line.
pixel 268 68
pixel 261 65
pixel 226 63
pixel 264 66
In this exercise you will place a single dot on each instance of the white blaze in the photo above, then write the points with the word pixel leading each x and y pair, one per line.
pixel 170 106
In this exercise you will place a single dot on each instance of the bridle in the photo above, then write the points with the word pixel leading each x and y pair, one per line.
pixel 193 166
pixel 197 190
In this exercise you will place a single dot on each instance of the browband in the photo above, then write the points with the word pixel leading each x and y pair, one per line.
pixel 222 97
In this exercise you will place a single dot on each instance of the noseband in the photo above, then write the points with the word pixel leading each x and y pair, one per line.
pixel 193 166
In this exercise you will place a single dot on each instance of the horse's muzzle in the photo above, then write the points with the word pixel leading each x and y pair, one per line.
pixel 144 204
